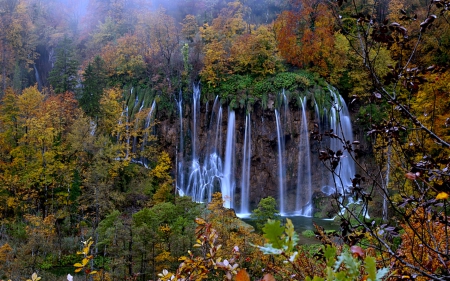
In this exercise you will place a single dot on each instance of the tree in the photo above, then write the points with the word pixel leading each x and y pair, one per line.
pixel 305 35
pixel 267 209
pixel 124 60
pixel 94 83
pixel 411 176
pixel 64 75
pixel 17 41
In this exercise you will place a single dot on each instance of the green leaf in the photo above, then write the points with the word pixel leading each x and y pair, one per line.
pixel 381 273
pixel 273 232
pixel 268 249
pixel 330 254
pixel 291 236
pixel 371 268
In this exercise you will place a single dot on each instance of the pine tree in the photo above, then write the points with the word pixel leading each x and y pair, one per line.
pixel 63 76
pixel 94 81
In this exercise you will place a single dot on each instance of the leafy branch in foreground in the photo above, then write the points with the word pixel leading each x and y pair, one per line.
pixel 207 264
pixel 350 264
pixel 84 264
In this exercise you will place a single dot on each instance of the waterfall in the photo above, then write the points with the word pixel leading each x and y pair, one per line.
pixel 38 77
pixel 281 165
pixel 180 173
pixel 341 125
pixel 136 128
pixel 147 128
pixel 196 185
pixel 304 185
pixel 228 184
pixel 196 111
pixel 205 179
pixel 245 177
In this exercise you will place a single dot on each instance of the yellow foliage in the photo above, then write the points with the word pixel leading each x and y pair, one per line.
pixel 111 110
pixel 442 196
pixel 5 253
pixel 44 227
pixel 163 259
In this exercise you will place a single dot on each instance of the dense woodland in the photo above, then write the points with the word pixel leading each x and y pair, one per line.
pixel 73 198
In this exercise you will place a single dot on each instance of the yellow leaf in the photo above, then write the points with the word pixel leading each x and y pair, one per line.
pixel 78 269
pixel 85 261
pixel 442 195
pixel 93 272
pixel 78 265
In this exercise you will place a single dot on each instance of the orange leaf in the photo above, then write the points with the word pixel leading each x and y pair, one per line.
pixel 242 275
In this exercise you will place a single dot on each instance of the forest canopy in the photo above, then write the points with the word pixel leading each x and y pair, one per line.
pixel 87 186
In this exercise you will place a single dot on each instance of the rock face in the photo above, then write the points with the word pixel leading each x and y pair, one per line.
pixel 264 164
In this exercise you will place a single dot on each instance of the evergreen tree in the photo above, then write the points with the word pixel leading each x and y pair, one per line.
pixel 63 76
pixel 94 81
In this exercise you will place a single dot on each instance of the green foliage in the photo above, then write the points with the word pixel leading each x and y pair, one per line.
pixel 267 209
pixel 371 114
pixel 239 89
pixel 308 233
pixel 94 82
pixel 348 267
pixel 280 239
pixel 63 76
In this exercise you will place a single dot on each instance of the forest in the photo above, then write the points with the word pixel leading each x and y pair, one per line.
pixel 92 101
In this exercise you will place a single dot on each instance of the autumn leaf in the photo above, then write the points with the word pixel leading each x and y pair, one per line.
pixel 242 275
pixel 410 176
pixel 442 196
pixel 357 251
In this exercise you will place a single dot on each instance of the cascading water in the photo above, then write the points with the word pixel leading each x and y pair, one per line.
pixel 281 165
pixel 196 105
pixel 341 125
pixel 228 184
pixel 147 127
pixel 304 183
pixel 37 76
pixel 245 177
pixel 136 128
pixel 205 179
pixel 213 164
pixel 180 173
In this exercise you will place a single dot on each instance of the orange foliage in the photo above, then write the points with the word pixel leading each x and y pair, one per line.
pixel 424 243
pixel 305 36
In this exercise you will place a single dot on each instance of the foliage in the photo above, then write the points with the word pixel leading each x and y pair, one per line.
pixel 209 264
pixel 406 133
pixel 305 35
pixel 64 77
pixel 87 257
pixel 308 233
pixel 348 266
pixel 267 209
pixel 94 82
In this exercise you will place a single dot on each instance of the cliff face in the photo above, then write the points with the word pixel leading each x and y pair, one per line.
pixel 211 135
